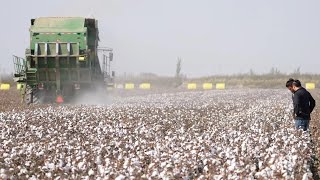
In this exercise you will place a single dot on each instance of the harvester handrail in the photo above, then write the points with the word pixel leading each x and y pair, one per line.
pixel 19 64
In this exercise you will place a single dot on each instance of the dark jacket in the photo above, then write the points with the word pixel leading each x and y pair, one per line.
pixel 303 104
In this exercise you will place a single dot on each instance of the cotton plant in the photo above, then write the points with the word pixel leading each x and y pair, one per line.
pixel 190 135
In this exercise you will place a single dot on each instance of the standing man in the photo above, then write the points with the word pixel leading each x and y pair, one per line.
pixel 303 104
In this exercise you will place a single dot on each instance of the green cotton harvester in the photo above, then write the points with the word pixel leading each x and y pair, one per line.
pixel 62 60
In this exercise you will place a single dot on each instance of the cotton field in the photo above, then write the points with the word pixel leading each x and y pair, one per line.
pixel 232 134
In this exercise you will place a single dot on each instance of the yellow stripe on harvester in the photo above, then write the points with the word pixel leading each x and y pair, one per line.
pixel 220 86
pixel 19 86
pixel 82 58
pixel 129 86
pixel 207 86
pixel 310 85
pixel 4 86
pixel 145 86
pixel 192 86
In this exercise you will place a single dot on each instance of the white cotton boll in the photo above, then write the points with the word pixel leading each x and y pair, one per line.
pixel 221 154
pixel 120 177
pixel 120 157
pixel 273 155
pixel 135 161
pixel 5 155
pixel 83 153
pixel 151 165
pixel 189 146
pixel 126 163
pixel 27 163
pixel 273 167
pixel 91 172
pixel 81 164
pixel 168 166
pixel 176 156
pixel 51 166
pixel 194 152
pixel 68 166
pixel 305 166
pixel 101 169
pixel 154 173
pixel 257 148
pixel 107 161
pixel 131 170
pixel 271 160
pixel 23 171
pixel 182 130
pixel 307 176
pixel 218 177
pixel 243 147
pixel 252 168
pixel 268 171
pixel 206 169
pixel 49 175
pixel 163 164
pixel 231 167
pixel 260 165
pixel 294 158
pixel 3 176
pixel 85 177
pixel 143 176
pixel 150 153
pixel 40 153
pixel 163 175
pixel 136 143
pixel 98 160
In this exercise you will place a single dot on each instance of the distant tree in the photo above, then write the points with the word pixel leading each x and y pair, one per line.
pixel 178 67
pixel 251 72
pixel 274 71
pixel 178 76
pixel 297 71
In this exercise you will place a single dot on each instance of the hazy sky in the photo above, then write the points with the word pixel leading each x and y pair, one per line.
pixel 211 36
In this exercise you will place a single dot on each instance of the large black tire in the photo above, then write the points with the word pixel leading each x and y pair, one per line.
pixel 36 96
pixel 32 96
pixel 28 95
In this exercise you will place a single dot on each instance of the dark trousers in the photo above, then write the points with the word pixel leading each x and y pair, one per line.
pixel 302 124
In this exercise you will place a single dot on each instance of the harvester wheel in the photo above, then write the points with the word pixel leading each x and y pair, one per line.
pixel 28 95
pixel 36 96
pixel 32 96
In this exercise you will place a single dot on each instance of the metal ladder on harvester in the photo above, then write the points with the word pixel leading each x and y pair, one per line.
pixel 23 74
pixel 19 69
